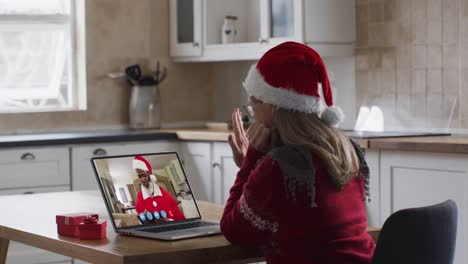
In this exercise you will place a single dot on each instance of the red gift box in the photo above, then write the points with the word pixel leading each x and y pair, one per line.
pixel 90 230
pixel 67 224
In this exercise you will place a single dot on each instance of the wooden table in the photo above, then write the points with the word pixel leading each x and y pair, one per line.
pixel 30 219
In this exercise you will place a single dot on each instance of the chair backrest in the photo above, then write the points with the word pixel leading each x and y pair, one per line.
pixel 419 235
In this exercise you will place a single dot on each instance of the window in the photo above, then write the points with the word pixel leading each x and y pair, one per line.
pixel 41 55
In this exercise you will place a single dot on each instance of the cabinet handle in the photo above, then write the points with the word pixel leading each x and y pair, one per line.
pixel 262 40
pixel 99 152
pixel 195 44
pixel 215 164
pixel 28 192
pixel 28 156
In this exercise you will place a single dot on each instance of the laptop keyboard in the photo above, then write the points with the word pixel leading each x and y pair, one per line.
pixel 178 227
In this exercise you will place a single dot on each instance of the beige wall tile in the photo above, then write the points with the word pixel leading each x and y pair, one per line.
pixel 375 59
pixel 464 56
pixel 389 59
pixel 403 9
pixel 465 8
pixel 434 9
pixel 404 56
pixel 434 31
pixel 434 93
pixel 450 95
pixel 391 34
pixel 362 87
pixel 464 31
pixel 464 94
pixel 362 33
pixel 362 62
pixel 388 84
pixel 374 85
pixel 376 11
pixel 362 14
pixel 390 10
pixel 419 30
pixel 450 56
pixel 419 56
pixel 419 93
pixel 450 9
pixel 376 35
pixel 434 56
pixel 404 35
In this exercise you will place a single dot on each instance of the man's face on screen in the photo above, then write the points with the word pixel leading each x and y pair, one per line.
pixel 144 177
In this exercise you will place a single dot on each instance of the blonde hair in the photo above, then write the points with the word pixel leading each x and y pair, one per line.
pixel 326 143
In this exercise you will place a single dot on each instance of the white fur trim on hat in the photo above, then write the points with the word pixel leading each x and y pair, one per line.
pixel 332 116
pixel 256 86
pixel 138 164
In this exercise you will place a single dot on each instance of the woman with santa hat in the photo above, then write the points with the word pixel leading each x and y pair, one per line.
pixel 300 192
pixel 152 198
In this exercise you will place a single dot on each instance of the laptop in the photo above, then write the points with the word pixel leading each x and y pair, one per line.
pixel 149 195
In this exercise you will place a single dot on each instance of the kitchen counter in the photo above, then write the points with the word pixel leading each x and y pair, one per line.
pixel 446 144
pixel 47 139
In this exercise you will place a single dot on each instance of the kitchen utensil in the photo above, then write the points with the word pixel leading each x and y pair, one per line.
pixel 144 107
pixel 133 72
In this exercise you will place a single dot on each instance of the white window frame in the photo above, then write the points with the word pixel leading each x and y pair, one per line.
pixel 76 95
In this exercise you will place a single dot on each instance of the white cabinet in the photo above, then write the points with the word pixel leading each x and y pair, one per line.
pixel 210 169
pixel 413 179
pixel 34 167
pixel 260 25
pixel 373 206
pixel 83 177
pixel 196 159
pixel 186 24
pixel 34 170
pixel 224 171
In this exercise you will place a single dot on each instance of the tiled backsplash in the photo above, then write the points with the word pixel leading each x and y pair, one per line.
pixel 412 61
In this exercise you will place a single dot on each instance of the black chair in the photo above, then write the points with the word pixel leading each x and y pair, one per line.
pixel 425 235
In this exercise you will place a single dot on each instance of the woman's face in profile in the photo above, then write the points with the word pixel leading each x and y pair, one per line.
pixel 262 112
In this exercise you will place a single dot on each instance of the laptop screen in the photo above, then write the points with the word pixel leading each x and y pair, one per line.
pixel 147 189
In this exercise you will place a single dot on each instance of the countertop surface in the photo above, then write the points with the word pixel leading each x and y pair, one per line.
pixel 446 144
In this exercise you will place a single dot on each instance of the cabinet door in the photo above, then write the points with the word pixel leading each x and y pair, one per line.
pixel 413 179
pixel 83 177
pixel 19 253
pixel 224 171
pixel 196 158
pixel 186 34
pixel 282 21
pixel 29 167
pixel 373 206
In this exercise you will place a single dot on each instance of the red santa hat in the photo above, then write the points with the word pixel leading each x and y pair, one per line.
pixel 288 76
pixel 141 163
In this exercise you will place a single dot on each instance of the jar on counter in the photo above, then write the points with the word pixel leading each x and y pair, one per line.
pixel 229 30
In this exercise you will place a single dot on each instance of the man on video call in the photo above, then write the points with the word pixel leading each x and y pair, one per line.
pixel 151 197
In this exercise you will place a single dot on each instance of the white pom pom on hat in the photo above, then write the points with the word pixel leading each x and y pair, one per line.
pixel 288 75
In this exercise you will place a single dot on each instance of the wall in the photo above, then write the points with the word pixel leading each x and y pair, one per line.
pixel 120 33
pixel 411 60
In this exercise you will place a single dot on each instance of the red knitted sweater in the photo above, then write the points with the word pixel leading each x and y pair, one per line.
pixel 262 211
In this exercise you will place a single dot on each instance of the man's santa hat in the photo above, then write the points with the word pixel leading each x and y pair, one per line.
pixel 288 76
pixel 141 163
